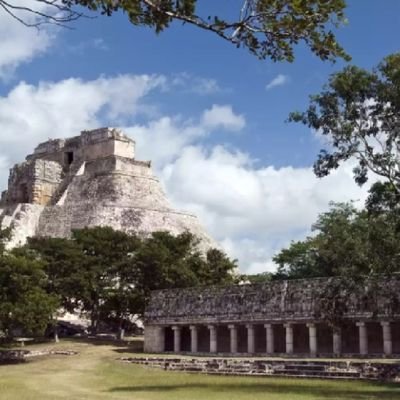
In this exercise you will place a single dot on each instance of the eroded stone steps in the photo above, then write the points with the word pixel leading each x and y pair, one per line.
pixel 277 368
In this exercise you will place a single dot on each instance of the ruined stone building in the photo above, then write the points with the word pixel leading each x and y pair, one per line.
pixel 89 180
pixel 277 318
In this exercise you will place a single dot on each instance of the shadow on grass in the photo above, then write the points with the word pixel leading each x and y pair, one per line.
pixel 365 391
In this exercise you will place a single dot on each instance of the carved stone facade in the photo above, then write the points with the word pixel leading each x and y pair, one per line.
pixel 283 317
pixel 89 180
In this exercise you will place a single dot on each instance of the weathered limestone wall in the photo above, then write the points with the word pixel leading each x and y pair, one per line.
pixel 33 182
pixel 268 367
pixel 47 175
pixel 23 219
pixel 309 317
pixel 295 300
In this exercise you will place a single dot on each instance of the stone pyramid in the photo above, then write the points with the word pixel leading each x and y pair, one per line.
pixel 89 180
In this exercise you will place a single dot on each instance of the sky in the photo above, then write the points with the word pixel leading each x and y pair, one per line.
pixel 211 117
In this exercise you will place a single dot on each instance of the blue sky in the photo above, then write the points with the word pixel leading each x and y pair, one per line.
pixel 210 116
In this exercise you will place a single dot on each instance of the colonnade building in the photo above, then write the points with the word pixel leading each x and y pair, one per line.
pixel 313 317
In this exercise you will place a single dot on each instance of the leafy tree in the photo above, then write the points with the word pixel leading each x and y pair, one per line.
pixel 383 198
pixel 347 243
pixel 103 251
pixel 267 28
pixel 165 261
pixel 359 113
pixel 25 305
pixel 263 277
pixel 109 274
pixel 4 237
pixel 62 262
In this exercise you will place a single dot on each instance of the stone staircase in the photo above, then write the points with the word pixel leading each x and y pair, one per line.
pixel 348 370
pixel 23 220
pixel 75 169
pixel 9 215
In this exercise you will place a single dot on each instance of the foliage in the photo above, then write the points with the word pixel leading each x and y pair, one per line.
pixel 268 29
pixel 109 274
pixel 359 112
pixel 86 270
pixel 165 261
pixel 25 305
pixel 4 237
pixel 347 242
pixel 263 277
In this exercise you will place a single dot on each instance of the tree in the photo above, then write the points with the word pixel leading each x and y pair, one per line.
pixel 267 28
pixel 347 243
pixel 25 305
pixel 4 237
pixel 359 113
pixel 165 261
pixel 103 250
pixel 109 274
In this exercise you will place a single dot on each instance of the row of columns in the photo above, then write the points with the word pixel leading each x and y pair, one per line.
pixel 312 330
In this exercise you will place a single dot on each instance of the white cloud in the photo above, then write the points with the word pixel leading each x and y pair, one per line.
pixel 222 116
pixel 18 43
pixel 279 80
pixel 30 114
pixel 252 210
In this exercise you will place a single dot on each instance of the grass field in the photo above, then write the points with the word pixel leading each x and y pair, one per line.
pixel 95 373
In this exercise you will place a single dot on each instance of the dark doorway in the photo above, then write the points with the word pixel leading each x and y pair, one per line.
pixel 69 157
pixel 223 339
pixel 279 338
pixel 260 342
pixel 203 339
pixel 324 339
pixel 185 339
pixel 300 339
pixel 350 339
pixel 169 339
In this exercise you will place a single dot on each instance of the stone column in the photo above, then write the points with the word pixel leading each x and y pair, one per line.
pixel 363 338
pixel 193 339
pixel 270 338
pixel 312 336
pixel 289 338
pixel 337 342
pixel 387 338
pixel 177 338
pixel 160 339
pixel 213 338
pixel 250 339
pixel 234 338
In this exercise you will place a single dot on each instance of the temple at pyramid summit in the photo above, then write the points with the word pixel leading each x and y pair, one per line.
pixel 89 180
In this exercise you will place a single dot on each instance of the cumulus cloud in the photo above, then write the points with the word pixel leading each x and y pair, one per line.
pixel 18 43
pixel 222 116
pixel 279 80
pixel 164 139
pixel 251 209
pixel 30 114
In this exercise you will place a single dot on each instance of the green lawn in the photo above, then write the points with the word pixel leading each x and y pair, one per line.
pixel 96 374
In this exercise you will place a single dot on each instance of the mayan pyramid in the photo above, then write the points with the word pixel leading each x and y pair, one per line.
pixel 89 180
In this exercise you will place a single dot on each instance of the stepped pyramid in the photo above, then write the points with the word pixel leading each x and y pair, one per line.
pixel 89 180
